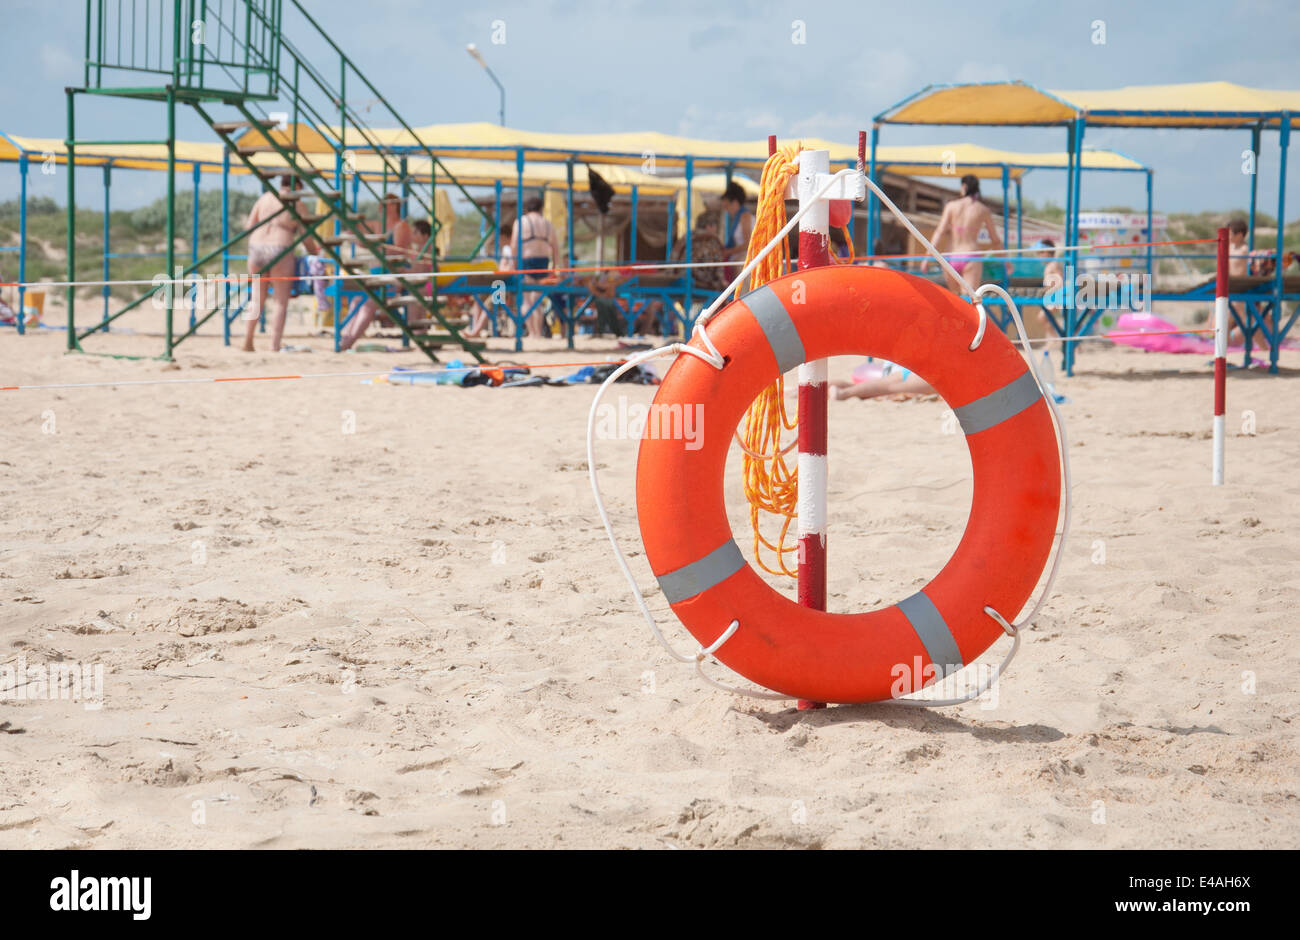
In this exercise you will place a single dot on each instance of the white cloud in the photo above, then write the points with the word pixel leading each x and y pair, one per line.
pixel 982 72
pixel 878 77
pixel 689 121
pixel 840 127
pixel 59 65
pixel 762 120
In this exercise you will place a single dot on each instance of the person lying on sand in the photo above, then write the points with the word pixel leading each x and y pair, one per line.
pixel 892 380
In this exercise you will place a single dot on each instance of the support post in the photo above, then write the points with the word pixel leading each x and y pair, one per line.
pixel 1254 185
pixel 496 221
pixel 1284 142
pixel 1220 351
pixel 1069 193
pixel 669 223
pixel 632 232
pixel 196 173
pixel 1020 215
pixel 225 250
pixel 1151 229
pixel 814 252
pixel 1078 178
pixel 873 222
pixel 108 248
pixel 71 166
pixel 171 215
pixel 568 222
pixel 22 241
pixel 336 286
pixel 518 238
pixel 726 216
pixel 1006 223
pixel 1072 235
pixel 687 255
pixel 1067 254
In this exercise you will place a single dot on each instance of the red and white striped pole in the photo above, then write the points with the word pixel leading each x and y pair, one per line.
pixel 814 251
pixel 1220 351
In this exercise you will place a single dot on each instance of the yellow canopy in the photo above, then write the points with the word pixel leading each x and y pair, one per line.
pixel 957 160
pixel 647 149
pixel 208 157
pixel 131 156
pixel 656 172
pixel 489 172
pixel 1197 104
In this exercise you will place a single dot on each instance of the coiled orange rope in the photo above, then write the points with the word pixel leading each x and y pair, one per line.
pixel 771 485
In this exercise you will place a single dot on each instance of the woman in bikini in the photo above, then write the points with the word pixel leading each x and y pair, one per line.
pixel 536 247
pixel 272 239
pixel 963 219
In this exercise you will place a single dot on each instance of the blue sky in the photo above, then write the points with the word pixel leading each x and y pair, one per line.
pixel 730 71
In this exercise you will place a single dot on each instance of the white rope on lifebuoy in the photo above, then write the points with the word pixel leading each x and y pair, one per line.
pixel 715 359
pixel 1013 630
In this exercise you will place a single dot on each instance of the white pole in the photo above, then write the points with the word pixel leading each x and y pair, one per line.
pixel 1220 352
pixel 814 251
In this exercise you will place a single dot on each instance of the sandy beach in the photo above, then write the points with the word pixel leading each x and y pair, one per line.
pixel 332 614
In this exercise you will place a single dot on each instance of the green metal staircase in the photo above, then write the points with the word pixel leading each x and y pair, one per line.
pixel 233 64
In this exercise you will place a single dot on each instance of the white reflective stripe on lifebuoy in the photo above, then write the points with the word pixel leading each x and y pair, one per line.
pixel 933 632
pixel 702 574
pixel 997 406
pixel 782 335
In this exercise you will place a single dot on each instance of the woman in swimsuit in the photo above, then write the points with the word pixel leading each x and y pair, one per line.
pixel 740 225
pixel 536 247
pixel 963 219
pixel 263 247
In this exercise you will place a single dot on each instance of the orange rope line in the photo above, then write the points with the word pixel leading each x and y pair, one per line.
pixel 771 484
pixel 364 373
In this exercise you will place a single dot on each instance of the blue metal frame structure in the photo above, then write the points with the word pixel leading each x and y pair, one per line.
pixel 677 293
pixel 107 165
pixel 1264 314
pixel 1077 321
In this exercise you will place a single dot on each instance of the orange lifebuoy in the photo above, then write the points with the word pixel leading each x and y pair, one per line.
pixel 863 657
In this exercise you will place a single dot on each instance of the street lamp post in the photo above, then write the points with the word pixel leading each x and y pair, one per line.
pixel 478 57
